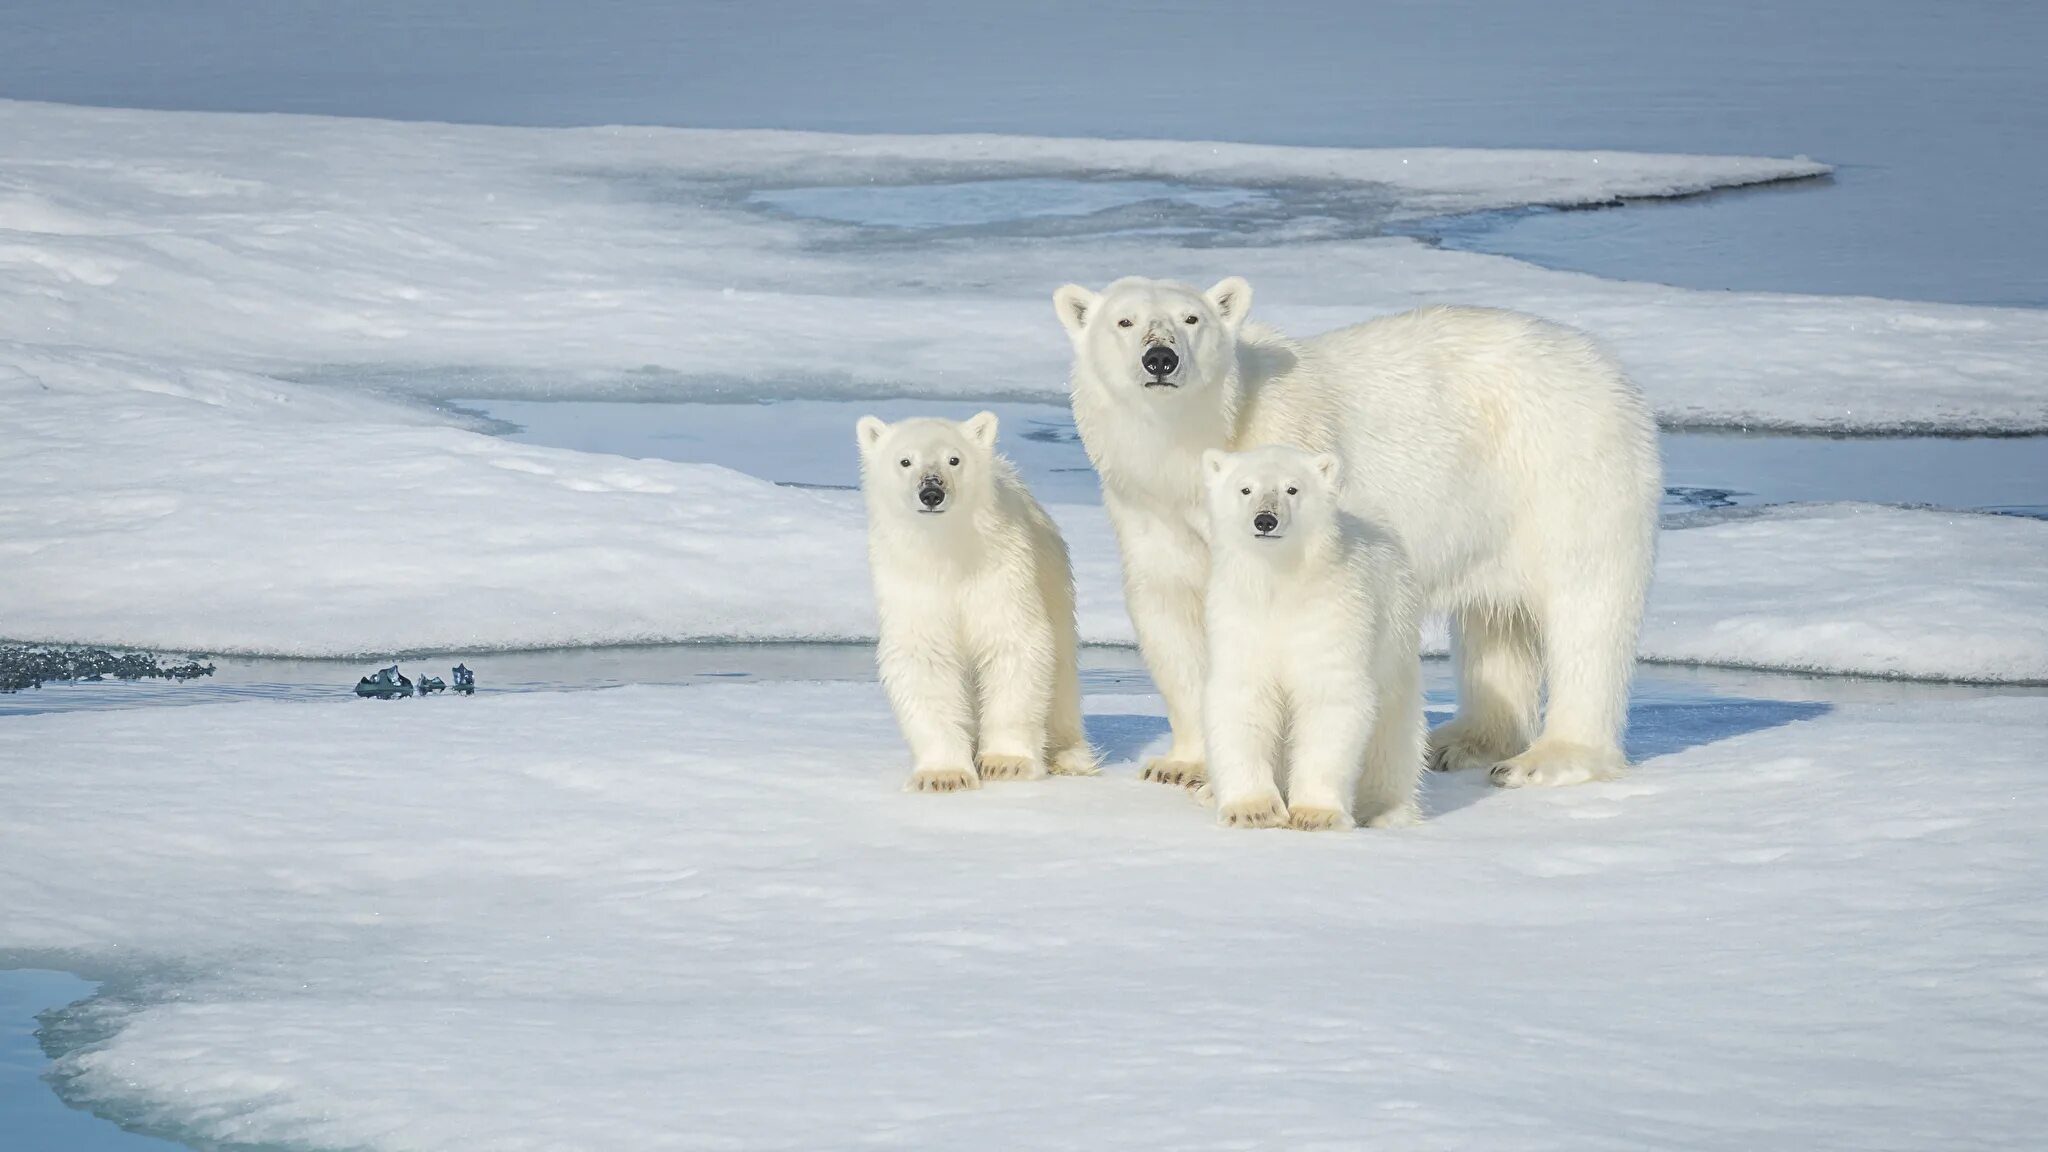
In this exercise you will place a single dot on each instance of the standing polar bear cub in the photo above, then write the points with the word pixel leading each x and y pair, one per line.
pixel 1511 458
pixel 978 649
pixel 1311 620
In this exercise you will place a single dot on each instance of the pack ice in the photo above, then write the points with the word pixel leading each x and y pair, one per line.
pixel 213 352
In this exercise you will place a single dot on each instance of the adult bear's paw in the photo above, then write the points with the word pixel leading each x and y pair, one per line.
pixel 1457 746
pixel 1554 764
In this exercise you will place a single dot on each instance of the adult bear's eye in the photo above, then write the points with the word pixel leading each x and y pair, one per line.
pixel 1290 491
pixel 1123 323
pixel 1194 319
pixel 953 460
pixel 906 461
pixel 1244 491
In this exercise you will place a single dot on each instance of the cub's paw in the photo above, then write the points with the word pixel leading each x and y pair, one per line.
pixel 1185 773
pixel 943 780
pixel 1455 747
pixel 1076 761
pixel 1556 765
pixel 994 767
pixel 1265 811
pixel 1310 819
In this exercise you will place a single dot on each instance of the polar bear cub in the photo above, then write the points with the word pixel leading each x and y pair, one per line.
pixel 978 650
pixel 1311 615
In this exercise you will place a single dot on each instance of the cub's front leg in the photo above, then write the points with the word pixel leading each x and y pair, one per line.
pixel 1013 643
pixel 1328 738
pixel 1243 719
pixel 926 675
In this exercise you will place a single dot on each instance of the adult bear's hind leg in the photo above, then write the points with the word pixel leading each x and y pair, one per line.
pixel 1500 673
pixel 1589 651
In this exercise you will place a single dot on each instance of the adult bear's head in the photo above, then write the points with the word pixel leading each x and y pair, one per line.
pixel 1150 341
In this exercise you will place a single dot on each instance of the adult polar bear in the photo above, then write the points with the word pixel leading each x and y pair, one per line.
pixel 1513 459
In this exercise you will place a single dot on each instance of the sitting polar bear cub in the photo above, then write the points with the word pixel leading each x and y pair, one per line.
pixel 978 650
pixel 1511 458
pixel 1311 618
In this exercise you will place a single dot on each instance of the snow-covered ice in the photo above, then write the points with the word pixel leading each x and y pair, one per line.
pixel 460 927
pixel 1856 588
pixel 557 262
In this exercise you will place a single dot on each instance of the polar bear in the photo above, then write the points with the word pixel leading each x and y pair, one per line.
pixel 1512 459
pixel 1311 622
pixel 978 650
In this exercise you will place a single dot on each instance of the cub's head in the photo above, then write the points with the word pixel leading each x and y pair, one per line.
pixel 1269 499
pixel 927 467
pixel 1145 340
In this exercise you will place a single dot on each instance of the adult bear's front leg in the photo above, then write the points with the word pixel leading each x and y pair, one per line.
pixel 1165 580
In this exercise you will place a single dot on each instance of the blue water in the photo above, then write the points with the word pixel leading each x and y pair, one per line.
pixel 32 1119
pixel 1934 110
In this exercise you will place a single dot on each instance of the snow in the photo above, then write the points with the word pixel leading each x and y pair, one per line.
pixel 451 924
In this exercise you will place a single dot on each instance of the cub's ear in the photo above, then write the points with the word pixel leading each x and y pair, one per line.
pixel 1075 305
pixel 981 428
pixel 1214 461
pixel 868 430
pixel 1329 468
pixel 1231 298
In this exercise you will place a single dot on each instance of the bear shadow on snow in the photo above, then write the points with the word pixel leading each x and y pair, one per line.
pixel 1655 729
pixel 1664 728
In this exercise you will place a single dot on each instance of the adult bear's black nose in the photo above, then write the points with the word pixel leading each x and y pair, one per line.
pixel 1159 360
pixel 931 495
pixel 1265 522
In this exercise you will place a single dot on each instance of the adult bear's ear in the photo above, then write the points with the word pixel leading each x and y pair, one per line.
pixel 1231 298
pixel 868 430
pixel 1213 461
pixel 1075 305
pixel 981 428
pixel 1329 468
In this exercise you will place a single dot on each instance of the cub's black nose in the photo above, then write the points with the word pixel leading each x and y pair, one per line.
pixel 1159 360
pixel 1265 521
pixel 931 496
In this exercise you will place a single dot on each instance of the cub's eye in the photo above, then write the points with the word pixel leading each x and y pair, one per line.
pixel 1290 491
pixel 953 460
pixel 1193 320
pixel 906 461
pixel 1244 491
pixel 1123 323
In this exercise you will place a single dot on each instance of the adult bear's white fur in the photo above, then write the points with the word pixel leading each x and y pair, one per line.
pixel 978 649
pixel 1311 616
pixel 1511 457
